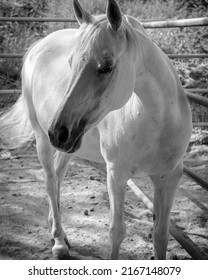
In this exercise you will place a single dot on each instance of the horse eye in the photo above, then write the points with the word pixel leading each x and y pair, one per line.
pixel 105 70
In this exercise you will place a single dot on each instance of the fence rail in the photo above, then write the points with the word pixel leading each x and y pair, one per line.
pixel 35 19
pixel 200 124
pixel 199 180
pixel 193 97
pixel 197 98
pixel 172 56
pixel 146 24
pixel 177 23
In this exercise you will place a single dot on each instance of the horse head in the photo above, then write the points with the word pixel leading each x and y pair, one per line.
pixel 102 76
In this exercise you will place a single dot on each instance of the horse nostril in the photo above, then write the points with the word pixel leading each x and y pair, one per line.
pixel 62 134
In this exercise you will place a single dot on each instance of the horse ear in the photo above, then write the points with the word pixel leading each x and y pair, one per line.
pixel 80 14
pixel 114 14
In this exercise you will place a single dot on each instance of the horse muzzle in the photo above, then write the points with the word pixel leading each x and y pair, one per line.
pixel 63 140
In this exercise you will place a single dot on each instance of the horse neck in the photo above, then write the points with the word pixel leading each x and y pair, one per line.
pixel 156 81
pixel 155 78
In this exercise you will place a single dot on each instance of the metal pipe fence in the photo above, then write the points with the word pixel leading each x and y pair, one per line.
pixel 172 56
pixel 146 24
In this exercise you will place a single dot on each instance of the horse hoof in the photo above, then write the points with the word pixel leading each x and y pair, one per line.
pixel 60 252
pixel 66 241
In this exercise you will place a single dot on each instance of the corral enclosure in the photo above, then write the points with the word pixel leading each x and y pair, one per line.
pixel 85 206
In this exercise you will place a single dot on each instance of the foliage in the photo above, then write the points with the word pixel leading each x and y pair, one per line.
pixel 16 37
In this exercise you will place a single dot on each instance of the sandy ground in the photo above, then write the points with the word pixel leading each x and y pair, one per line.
pixel 24 230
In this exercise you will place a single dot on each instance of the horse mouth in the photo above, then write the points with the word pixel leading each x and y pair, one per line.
pixel 75 143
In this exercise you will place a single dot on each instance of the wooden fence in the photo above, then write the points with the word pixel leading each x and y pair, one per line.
pixel 180 236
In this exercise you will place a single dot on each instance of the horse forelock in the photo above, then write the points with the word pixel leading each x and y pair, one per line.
pixel 98 34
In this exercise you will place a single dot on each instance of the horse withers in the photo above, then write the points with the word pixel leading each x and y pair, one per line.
pixel 103 92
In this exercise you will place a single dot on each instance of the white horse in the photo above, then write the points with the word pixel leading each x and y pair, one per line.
pixel 103 92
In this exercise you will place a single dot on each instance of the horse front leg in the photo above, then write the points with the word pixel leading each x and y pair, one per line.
pixel 61 163
pixel 46 156
pixel 116 188
pixel 164 192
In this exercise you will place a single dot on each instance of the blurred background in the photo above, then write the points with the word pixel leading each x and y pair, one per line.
pixel 16 37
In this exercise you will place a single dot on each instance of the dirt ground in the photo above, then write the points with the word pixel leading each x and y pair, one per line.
pixel 24 230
